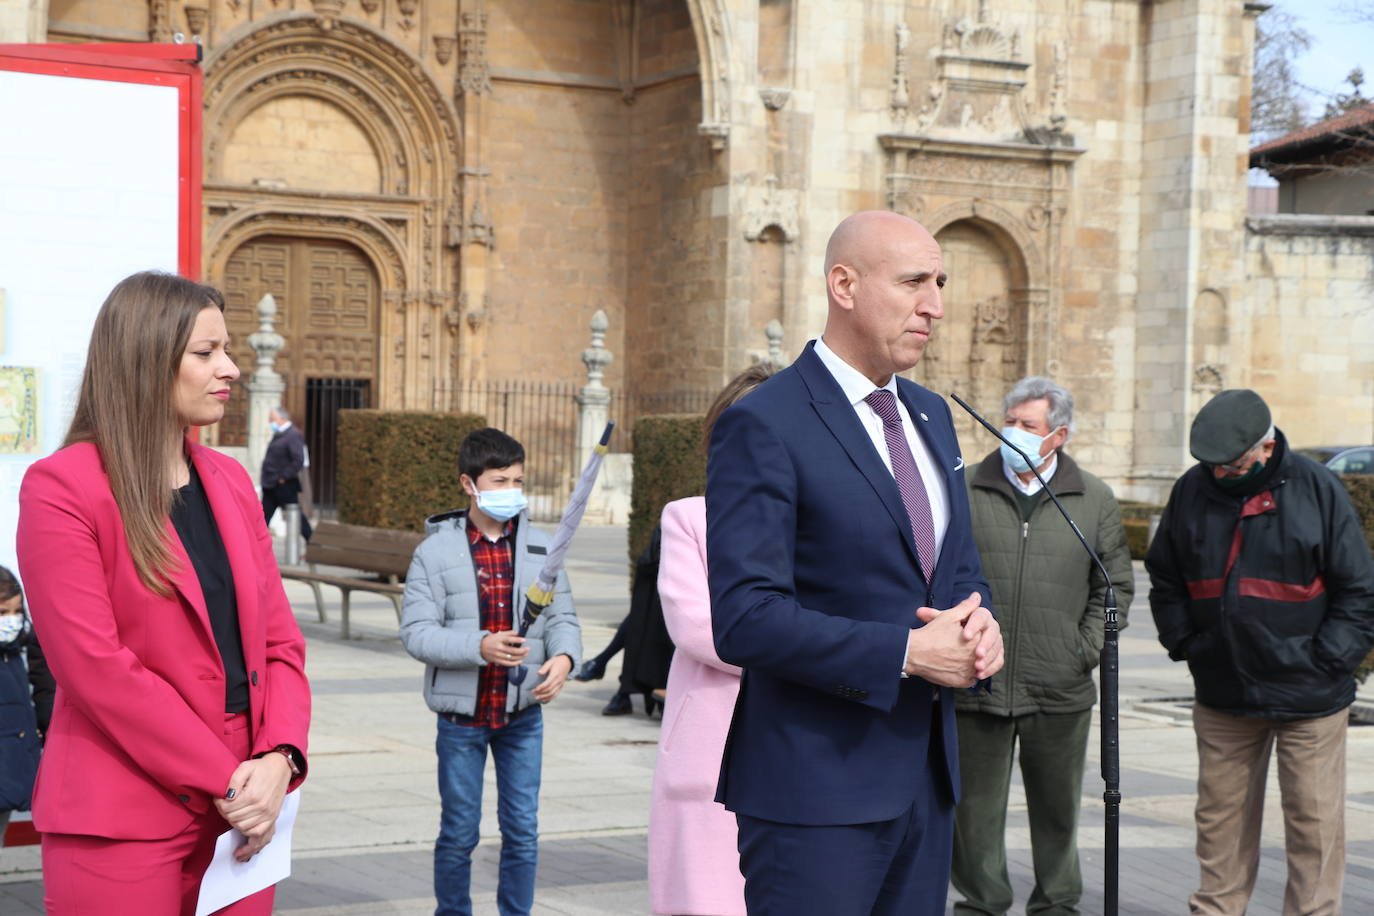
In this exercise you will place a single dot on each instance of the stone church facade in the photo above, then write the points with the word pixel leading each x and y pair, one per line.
pixel 444 191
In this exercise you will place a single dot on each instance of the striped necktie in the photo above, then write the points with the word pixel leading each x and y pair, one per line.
pixel 909 482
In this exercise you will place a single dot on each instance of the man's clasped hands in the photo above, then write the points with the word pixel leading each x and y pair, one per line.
pixel 957 647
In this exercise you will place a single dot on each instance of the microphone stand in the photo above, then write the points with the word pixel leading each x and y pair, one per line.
pixel 1109 660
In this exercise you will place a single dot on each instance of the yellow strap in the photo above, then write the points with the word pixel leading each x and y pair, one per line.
pixel 538 595
pixel 600 449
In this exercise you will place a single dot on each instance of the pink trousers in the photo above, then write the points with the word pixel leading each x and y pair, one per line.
pixel 94 876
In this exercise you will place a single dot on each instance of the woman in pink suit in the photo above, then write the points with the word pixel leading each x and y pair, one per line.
pixel 693 860
pixel 182 705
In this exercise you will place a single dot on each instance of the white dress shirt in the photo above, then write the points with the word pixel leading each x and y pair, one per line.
pixel 1031 487
pixel 857 387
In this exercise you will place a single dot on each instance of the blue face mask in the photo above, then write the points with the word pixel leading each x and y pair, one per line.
pixel 1028 442
pixel 502 505
pixel 275 427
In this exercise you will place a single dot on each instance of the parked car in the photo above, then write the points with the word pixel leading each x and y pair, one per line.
pixel 1343 459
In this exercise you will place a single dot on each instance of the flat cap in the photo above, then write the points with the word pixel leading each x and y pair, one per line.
pixel 1229 425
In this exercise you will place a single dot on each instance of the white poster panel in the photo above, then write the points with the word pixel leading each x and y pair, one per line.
pixel 88 195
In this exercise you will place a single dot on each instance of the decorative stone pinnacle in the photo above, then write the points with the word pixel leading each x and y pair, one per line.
pixel 265 341
pixel 597 357
pixel 774 334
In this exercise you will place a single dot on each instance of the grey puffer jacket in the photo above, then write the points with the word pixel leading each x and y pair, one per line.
pixel 1047 593
pixel 441 617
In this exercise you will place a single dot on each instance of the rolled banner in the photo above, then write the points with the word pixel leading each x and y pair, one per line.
pixel 540 593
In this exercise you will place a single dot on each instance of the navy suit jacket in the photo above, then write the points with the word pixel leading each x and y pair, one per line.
pixel 814 589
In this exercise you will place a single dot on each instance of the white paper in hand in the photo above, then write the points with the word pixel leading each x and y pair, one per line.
pixel 227 880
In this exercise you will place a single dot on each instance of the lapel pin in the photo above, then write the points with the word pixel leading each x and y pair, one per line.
pixel 926 418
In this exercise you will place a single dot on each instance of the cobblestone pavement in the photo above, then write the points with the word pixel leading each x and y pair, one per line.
pixel 370 809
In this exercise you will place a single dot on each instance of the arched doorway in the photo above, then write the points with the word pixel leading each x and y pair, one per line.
pixel 979 349
pixel 332 153
pixel 327 295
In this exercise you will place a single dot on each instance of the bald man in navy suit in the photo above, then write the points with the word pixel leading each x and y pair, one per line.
pixel 845 582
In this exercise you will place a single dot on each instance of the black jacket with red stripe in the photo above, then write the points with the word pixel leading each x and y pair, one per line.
pixel 1269 594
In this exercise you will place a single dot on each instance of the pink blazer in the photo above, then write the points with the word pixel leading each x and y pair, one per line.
pixel 134 749
pixel 693 862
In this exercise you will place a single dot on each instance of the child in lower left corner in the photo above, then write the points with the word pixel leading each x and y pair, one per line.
pixel 26 698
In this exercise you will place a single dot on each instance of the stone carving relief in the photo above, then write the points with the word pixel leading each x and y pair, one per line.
pixel 979 359
pixel 1208 380
pixel 160 20
pixel 385 89
pixel 774 98
pixel 197 15
pixel 385 250
pixel 355 53
pixel 710 25
pixel 328 12
pixel 977 93
pixel 443 48
pixel 473 73
pixel 901 96
pixel 771 206
pixel 992 322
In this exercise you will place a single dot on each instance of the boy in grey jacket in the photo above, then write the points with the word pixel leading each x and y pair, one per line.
pixel 463 596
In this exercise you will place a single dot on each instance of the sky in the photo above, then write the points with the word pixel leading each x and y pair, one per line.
pixel 1338 45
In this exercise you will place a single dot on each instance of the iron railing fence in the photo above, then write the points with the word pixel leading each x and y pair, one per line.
pixel 324 398
pixel 543 416
pixel 628 407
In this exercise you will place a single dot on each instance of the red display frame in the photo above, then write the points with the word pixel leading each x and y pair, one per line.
pixel 174 65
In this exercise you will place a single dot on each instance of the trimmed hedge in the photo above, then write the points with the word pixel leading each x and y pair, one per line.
pixel 397 467
pixel 1361 489
pixel 1135 518
pixel 670 464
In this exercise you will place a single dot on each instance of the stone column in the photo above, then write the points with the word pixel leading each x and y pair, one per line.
pixel 23 21
pixel 470 228
pixel 1197 57
pixel 594 402
pixel 266 388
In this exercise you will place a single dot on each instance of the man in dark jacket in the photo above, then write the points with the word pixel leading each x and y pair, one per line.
pixel 1049 598
pixel 282 467
pixel 1262 581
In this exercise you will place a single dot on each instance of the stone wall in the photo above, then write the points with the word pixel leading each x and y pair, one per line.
pixel 510 166
pixel 23 20
pixel 1310 319
pixel 674 285
pixel 1343 189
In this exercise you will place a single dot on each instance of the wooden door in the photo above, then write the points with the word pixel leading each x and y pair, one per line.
pixel 327 312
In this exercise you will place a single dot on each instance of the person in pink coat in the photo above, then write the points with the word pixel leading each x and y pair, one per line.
pixel 693 860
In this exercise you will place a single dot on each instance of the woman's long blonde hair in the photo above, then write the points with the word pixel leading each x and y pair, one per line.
pixel 127 404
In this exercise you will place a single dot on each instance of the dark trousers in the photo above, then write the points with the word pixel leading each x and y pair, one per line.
pixel 1052 749
pixel 284 494
pixel 892 867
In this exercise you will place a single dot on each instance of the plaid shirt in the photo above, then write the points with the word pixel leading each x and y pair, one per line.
pixel 495 588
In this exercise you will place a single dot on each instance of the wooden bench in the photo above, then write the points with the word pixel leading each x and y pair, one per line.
pixel 368 550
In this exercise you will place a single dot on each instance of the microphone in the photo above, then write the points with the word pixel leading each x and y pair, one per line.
pixel 1108 660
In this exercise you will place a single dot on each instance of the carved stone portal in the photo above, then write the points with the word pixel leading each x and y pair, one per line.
pixel 1009 201
pixel 394 230
pixel 977 90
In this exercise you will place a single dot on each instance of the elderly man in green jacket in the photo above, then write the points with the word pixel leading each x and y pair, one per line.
pixel 1049 601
